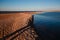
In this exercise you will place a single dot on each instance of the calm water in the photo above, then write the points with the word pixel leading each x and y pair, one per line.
pixel 47 25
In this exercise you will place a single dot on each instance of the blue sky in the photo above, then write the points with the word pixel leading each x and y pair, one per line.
pixel 29 5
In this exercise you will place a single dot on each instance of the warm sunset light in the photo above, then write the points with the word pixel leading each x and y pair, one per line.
pixel 29 19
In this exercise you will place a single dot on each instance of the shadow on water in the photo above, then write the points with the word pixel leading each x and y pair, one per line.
pixel 47 26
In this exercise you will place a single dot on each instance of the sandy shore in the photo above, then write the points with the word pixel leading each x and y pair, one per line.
pixel 12 22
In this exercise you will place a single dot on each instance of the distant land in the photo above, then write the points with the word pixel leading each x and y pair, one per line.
pixel 28 11
pixel 34 11
pixel 11 12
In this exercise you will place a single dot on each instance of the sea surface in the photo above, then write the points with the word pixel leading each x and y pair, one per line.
pixel 47 25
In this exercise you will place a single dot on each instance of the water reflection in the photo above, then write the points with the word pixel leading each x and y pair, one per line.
pixel 47 25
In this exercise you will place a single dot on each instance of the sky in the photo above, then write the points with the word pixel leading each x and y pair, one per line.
pixel 29 5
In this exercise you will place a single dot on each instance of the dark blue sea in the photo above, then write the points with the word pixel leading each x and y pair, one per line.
pixel 47 25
